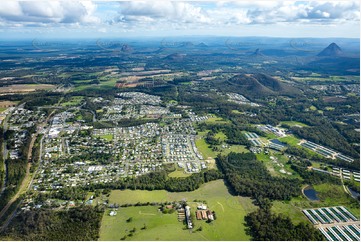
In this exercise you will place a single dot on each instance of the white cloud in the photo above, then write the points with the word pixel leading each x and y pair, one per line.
pixel 139 16
pixel 162 11
pixel 29 13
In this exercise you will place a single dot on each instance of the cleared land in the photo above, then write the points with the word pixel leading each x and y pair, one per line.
pixel 179 173
pixel 230 211
pixel 25 88
pixel 6 104
pixel 291 140
pixel 74 101
pixel 203 147
pixel 294 123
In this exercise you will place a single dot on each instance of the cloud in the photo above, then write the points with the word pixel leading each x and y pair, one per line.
pixel 40 13
pixel 162 11
pixel 314 12
pixel 140 16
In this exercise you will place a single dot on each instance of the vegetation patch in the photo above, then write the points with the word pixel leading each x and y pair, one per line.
pixel 81 223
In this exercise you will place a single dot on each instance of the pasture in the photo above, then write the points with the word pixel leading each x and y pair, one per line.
pixel 229 225
pixel 24 88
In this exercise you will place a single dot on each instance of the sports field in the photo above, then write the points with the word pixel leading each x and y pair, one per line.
pixel 229 225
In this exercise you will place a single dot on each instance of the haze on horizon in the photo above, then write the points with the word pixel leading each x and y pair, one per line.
pixel 114 19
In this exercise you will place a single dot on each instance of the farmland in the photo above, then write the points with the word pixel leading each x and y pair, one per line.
pixel 25 88
pixel 228 226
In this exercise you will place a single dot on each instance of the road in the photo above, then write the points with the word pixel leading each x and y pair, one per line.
pixel 337 224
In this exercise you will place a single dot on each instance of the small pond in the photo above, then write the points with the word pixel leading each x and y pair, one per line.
pixel 354 193
pixel 310 193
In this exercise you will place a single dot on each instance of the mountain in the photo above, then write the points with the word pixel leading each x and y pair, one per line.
pixel 331 50
pixel 257 53
pixel 126 48
pixel 202 45
pixel 261 84
pixel 175 57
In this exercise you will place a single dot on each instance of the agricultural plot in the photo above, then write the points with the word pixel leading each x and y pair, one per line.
pixel 290 140
pixel 294 123
pixel 326 152
pixel 229 224
pixel 335 223
pixel 23 88
pixel 254 139
pixel 341 233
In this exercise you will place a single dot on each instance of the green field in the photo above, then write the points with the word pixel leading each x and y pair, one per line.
pixel 2 109
pixel 229 225
pixel 221 136
pixel 287 208
pixel 235 148
pixel 290 139
pixel 179 173
pixel 294 123
pixel 216 120
pixel 74 101
pixel 203 147
pixel 236 111
pixel 107 137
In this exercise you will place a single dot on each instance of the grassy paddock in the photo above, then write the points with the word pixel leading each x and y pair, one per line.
pixel 230 211
pixel 179 173
pixel 294 123
pixel 107 137
pixel 290 140
pixel 203 147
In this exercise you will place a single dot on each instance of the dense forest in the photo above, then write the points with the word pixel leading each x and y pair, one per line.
pixel 249 177
pixel 264 225
pixel 80 223
pixel 2 171
pixel 16 168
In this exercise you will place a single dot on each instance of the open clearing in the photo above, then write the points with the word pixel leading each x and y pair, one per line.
pixel 25 88
pixel 179 173
pixel 294 123
pixel 290 139
pixel 203 147
pixel 229 225
pixel 107 137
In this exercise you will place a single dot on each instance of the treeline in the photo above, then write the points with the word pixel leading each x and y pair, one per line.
pixel 80 223
pixel 249 177
pixel 151 181
pixel 161 181
pixel 16 170
pixel 2 170
pixel 264 225
pixel 315 177
pixel 35 152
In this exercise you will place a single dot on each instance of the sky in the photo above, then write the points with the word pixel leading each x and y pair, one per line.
pixel 94 19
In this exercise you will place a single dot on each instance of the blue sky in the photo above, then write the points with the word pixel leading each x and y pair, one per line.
pixel 94 19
